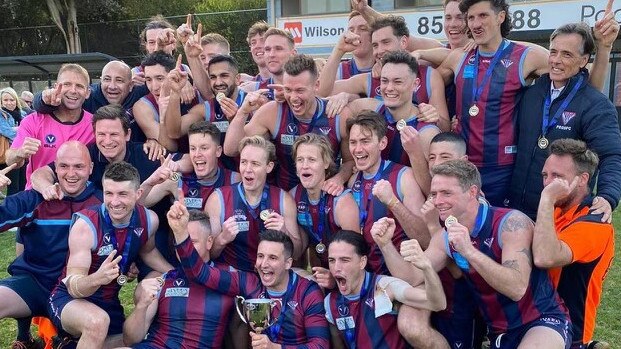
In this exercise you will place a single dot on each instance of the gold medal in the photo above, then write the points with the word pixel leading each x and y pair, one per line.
pixel 543 142
pixel 401 124
pixel 175 176
pixel 220 96
pixel 121 280
pixel 320 248
pixel 474 110
pixel 450 220
pixel 265 214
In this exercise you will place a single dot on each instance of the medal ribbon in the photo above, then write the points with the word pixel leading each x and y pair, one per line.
pixel 364 211
pixel 478 90
pixel 262 204
pixel 111 231
pixel 546 123
pixel 480 221
pixel 272 331
pixel 320 220
pixel 352 333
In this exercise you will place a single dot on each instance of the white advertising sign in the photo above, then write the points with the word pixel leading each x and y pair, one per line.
pixel 315 31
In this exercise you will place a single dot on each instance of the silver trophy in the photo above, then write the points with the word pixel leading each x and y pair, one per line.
pixel 256 312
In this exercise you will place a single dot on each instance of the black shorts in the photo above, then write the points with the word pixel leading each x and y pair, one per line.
pixel 29 289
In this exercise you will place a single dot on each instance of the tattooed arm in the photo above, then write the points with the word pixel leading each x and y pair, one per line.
pixel 512 277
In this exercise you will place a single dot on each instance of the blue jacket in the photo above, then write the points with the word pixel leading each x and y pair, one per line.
pixel 590 117
pixel 6 126
pixel 44 231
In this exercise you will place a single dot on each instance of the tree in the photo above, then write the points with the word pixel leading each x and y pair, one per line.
pixel 64 15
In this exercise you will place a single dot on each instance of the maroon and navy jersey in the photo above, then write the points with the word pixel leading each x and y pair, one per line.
pixel 310 217
pixel 421 95
pixel 490 135
pixel 500 312
pixel 394 151
pixel 189 315
pixel 197 191
pixel 129 239
pixel 214 114
pixel 354 317
pixel 288 128
pixel 262 84
pixel 301 321
pixel 348 68
pixel 371 209
pixel 241 253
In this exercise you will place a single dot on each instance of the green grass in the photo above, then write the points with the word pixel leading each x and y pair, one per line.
pixel 608 318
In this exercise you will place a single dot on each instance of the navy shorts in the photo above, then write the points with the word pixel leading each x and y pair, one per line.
pixel 29 289
pixel 459 333
pixel 513 338
pixel 495 184
pixel 60 297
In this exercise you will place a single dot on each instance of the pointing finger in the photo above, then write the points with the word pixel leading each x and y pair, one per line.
pixel 8 169
pixel 199 31
pixel 188 20
pixel 609 6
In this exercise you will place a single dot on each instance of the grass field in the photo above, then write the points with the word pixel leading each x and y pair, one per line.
pixel 608 323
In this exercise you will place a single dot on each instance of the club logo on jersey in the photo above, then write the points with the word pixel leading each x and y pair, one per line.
pixel 325 130
pixel 179 283
pixel 292 304
pixel 357 186
pixel 239 215
pixel 506 62
pixel 343 309
pixel 327 209
pixel 138 231
pixel 219 116
pixel 302 207
pixel 292 128
pixel 567 116
pixel 50 139
pixel 106 238
pixel 471 60
pixel 488 242
pixel 295 28
pixel 193 192
pixel 378 92
pixel 370 302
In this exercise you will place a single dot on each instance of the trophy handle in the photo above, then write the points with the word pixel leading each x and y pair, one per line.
pixel 238 300
pixel 272 306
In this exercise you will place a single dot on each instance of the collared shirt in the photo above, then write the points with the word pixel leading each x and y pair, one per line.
pixel 555 92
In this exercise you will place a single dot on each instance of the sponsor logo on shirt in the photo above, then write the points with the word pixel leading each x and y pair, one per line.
pixel 177 292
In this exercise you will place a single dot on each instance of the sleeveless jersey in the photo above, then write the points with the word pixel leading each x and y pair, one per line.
pixel 309 217
pixel 241 253
pixel 500 312
pixel 421 95
pixel 490 135
pixel 288 128
pixel 104 235
pixel 214 114
pixel 189 315
pixel 348 68
pixel 196 192
pixel 375 210
pixel 394 151
pixel 369 332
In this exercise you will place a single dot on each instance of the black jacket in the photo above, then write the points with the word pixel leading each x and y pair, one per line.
pixel 590 117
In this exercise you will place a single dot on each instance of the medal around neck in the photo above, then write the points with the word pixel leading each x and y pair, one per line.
pixel 450 220
pixel 264 215
pixel 473 111
pixel 401 124
pixel 121 280
pixel 543 142
pixel 320 248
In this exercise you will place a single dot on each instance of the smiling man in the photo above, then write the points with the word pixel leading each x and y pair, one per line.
pixel 562 104
pixel 39 135
pixel 44 231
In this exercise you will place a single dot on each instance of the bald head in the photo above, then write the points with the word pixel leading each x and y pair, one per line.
pixel 73 167
pixel 116 78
